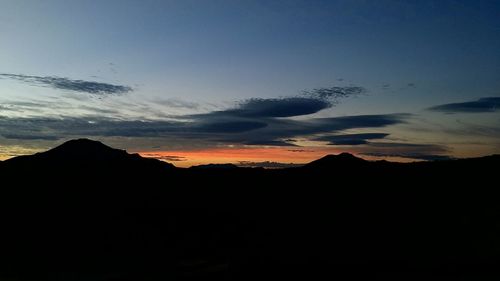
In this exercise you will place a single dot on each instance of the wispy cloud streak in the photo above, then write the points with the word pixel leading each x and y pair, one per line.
pixel 62 83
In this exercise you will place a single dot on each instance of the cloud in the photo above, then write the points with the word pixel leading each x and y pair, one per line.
pixel 62 83
pixel 410 146
pixel 257 121
pixel 264 121
pixel 168 158
pixel 268 108
pixel 300 150
pixel 474 129
pixel 7 108
pixel 406 150
pixel 267 165
pixel 416 156
pixel 10 150
pixel 97 126
pixel 172 158
pixel 351 139
pixel 29 137
pixel 310 102
pixel 228 126
pixel 335 92
pixel 269 143
pixel 482 105
pixel 271 132
pixel 287 107
pixel 176 103
pixel 362 121
pixel 278 131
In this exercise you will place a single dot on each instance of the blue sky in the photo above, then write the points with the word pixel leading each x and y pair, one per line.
pixel 183 58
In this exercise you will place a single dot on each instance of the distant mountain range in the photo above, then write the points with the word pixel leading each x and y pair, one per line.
pixel 95 153
pixel 86 211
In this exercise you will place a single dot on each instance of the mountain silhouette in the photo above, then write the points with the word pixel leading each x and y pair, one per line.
pixel 331 161
pixel 85 149
pixel 225 166
pixel 86 211
pixel 88 153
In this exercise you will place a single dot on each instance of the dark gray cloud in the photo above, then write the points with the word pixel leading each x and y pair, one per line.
pixel 265 131
pixel 264 122
pixel 420 147
pixel 68 127
pixel 62 83
pixel 229 126
pixel 362 121
pixel 351 139
pixel 335 92
pixel 310 102
pixel 268 108
pixel 266 165
pixel 415 156
pixel 29 137
pixel 252 122
pixel 287 107
pixel 168 158
pixel 482 105
pixel 300 150
pixel 278 131
pixel 269 143
pixel 426 152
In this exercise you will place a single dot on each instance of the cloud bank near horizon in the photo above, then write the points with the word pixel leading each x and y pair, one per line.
pixel 253 122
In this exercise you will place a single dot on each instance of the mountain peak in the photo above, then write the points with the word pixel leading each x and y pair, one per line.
pixel 82 145
pixel 343 159
pixel 344 156
pixel 83 142
pixel 89 153
pixel 85 149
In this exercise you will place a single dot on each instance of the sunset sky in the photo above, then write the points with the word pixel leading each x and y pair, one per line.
pixel 262 83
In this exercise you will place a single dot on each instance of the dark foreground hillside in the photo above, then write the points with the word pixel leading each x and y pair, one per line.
pixel 84 211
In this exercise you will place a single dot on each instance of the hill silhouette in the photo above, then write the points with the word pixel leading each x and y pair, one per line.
pixel 84 210
pixel 341 159
pixel 85 152
pixel 215 166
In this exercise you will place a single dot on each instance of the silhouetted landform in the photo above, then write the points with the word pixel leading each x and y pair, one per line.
pixel 216 166
pixel 85 211
pixel 90 154
pixel 341 160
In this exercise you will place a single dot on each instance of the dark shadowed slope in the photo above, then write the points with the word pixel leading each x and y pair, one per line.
pixel 85 211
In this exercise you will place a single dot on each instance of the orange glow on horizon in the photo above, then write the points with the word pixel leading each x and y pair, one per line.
pixel 189 158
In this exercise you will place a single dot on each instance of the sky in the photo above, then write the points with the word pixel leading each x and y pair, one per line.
pixel 263 83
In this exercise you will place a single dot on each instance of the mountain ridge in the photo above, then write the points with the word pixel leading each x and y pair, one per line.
pixel 84 149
